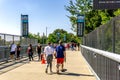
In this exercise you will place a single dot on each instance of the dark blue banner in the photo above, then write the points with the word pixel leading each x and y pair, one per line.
pixel 80 25
pixel 80 18
pixel 24 25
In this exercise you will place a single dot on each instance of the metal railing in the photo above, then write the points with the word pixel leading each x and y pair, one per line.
pixel 7 39
pixel 5 52
pixel 105 65
pixel 106 37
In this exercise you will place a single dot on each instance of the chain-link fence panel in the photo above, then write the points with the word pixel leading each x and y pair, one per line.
pixel 106 37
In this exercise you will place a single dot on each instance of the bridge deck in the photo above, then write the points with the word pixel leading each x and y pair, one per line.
pixel 77 69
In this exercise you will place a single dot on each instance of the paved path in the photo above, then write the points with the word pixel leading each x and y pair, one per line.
pixel 77 69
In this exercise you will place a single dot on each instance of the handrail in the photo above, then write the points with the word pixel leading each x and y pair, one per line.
pixel 110 55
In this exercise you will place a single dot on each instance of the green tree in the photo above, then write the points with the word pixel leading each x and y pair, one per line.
pixel 93 18
pixel 78 7
pixel 31 35
pixel 54 37
pixel 117 12
pixel 36 36
pixel 60 34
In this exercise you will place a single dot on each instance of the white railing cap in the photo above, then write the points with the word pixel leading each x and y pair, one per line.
pixel 107 54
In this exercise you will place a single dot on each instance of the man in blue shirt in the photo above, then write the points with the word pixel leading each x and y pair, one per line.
pixel 60 56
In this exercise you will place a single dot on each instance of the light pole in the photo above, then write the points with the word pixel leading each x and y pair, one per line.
pixel 43 37
pixel 46 31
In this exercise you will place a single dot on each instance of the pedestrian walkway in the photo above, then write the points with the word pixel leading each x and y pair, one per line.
pixel 77 69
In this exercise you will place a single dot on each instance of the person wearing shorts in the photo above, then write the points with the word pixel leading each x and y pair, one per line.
pixel 12 50
pixel 60 56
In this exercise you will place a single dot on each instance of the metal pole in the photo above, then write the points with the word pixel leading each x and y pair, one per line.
pixel 46 31
pixel 4 40
pixel 46 34
pixel 13 38
pixel 43 37
pixel 113 37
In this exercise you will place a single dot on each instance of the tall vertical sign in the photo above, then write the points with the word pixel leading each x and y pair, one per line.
pixel 80 25
pixel 106 4
pixel 24 25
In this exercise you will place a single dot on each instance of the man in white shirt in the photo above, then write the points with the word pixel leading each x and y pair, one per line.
pixel 12 50
pixel 49 51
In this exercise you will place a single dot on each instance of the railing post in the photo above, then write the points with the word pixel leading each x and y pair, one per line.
pixel 4 40
pixel 113 37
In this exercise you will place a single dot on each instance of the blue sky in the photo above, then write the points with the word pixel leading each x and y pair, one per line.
pixel 42 14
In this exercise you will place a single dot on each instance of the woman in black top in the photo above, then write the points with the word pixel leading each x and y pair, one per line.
pixel 30 52
pixel 38 49
pixel 18 51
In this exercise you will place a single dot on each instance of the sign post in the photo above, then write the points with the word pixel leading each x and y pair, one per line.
pixel 24 25
pixel 80 25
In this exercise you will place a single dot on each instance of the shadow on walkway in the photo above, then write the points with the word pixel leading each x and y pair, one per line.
pixel 75 74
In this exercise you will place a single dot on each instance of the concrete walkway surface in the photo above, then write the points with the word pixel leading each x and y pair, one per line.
pixel 76 66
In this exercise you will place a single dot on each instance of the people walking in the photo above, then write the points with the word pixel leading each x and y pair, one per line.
pixel 30 52
pixel 38 49
pixel 48 51
pixel 72 46
pixel 12 50
pixel 60 56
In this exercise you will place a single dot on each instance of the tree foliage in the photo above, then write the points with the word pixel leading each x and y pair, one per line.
pixel 41 39
pixel 117 12
pixel 77 7
pixel 54 37
pixel 60 34
pixel 93 18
